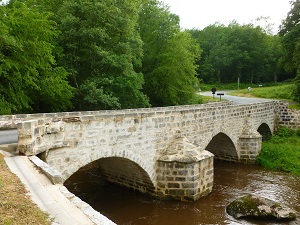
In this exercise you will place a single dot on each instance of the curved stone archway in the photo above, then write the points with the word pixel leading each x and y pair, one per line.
pixel 264 131
pixel 222 147
pixel 120 171
pixel 127 173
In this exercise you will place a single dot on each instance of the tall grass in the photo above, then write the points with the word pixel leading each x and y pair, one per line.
pixel 282 152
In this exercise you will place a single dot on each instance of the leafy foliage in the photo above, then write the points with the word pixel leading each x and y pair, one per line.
pixel 29 77
pixel 290 33
pixel 169 56
pixel 102 50
pixel 129 53
pixel 237 51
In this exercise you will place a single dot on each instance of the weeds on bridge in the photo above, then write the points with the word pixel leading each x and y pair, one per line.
pixel 16 206
pixel 282 152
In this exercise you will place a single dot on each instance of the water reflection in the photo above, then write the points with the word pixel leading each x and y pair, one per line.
pixel 232 180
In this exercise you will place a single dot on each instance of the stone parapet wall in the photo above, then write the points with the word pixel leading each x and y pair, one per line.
pixel 289 118
pixel 12 120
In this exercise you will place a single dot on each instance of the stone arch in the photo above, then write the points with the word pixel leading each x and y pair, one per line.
pixel 127 173
pixel 222 147
pixel 121 171
pixel 68 161
pixel 264 131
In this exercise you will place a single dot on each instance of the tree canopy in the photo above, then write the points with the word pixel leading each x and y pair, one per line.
pixel 236 51
pixel 169 57
pixel 290 33
pixel 102 50
pixel 30 79
pixel 58 55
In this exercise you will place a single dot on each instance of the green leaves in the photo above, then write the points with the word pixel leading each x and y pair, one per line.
pixel 237 51
pixel 169 56
pixel 290 33
pixel 101 43
pixel 27 65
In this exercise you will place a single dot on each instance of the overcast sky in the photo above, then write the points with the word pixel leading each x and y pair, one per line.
pixel 201 13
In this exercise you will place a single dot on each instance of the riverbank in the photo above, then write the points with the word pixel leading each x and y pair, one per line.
pixel 282 152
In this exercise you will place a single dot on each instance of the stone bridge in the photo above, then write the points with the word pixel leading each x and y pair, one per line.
pixel 165 152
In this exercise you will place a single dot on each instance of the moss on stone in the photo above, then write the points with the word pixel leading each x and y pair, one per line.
pixel 254 206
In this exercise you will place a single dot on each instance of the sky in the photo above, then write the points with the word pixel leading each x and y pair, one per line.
pixel 201 13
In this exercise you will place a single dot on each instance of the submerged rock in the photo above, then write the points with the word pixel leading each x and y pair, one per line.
pixel 258 207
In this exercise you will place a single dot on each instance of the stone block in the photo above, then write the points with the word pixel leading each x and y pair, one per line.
pixel 54 176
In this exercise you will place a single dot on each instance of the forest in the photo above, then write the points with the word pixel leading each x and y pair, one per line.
pixel 66 55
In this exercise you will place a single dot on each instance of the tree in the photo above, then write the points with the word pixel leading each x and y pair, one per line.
pixel 236 51
pixel 290 33
pixel 169 56
pixel 103 52
pixel 30 80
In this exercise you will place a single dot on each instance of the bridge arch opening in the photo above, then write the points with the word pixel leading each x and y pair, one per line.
pixel 117 170
pixel 222 147
pixel 264 131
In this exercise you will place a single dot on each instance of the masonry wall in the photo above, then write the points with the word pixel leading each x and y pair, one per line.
pixel 124 172
pixel 287 117
pixel 72 140
pixel 185 181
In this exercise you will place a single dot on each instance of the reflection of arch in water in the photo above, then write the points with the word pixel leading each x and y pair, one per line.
pixel 121 171
pixel 264 131
pixel 222 147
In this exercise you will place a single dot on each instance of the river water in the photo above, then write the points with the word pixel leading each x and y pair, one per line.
pixel 231 180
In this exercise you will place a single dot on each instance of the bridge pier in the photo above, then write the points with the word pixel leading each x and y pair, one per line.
pixel 184 172
pixel 249 144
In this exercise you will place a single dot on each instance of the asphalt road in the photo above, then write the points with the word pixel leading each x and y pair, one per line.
pixel 8 136
pixel 236 99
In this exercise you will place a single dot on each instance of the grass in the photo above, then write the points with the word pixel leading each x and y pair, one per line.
pixel 280 92
pixel 283 92
pixel 282 152
pixel 16 206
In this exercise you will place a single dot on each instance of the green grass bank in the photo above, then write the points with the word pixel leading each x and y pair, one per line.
pixel 282 92
pixel 282 152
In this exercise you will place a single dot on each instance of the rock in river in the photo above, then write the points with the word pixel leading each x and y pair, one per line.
pixel 258 207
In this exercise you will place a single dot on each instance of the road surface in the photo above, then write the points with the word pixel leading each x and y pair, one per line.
pixel 8 136
pixel 236 99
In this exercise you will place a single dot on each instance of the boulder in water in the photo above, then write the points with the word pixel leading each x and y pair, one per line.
pixel 257 207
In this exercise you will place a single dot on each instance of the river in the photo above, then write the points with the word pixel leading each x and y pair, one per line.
pixel 231 180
